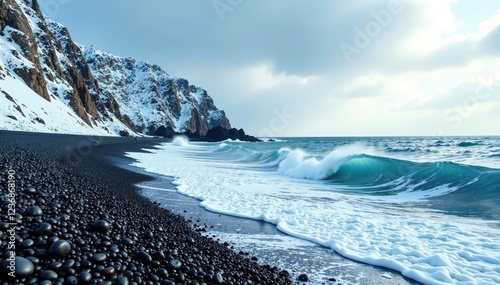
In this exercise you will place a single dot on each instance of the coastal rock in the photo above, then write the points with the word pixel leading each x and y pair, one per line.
pixel 166 132
pixel 303 277
pixel 219 133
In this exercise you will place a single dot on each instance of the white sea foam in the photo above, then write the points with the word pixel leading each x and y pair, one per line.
pixel 300 164
pixel 426 246
pixel 180 141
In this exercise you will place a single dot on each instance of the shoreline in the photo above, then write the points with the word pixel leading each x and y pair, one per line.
pixel 263 241
pixel 80 219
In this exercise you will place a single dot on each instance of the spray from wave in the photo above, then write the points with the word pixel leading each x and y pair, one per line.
pixel 180 141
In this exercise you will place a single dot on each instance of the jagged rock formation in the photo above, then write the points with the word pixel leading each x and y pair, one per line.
pixel 145 97
pixel 102 92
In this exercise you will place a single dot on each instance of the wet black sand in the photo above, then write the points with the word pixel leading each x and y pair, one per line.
pixel 79 219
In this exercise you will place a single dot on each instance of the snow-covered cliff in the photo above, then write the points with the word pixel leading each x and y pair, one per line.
pixel 48 83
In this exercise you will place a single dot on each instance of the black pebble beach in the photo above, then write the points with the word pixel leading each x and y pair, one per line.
pixel 79 219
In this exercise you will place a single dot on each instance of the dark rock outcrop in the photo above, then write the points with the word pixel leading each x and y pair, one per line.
pixel 14 25
pixel 218 133
pixel 166 132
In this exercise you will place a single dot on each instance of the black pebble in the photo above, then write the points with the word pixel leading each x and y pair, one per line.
pixel 34 211
pixel 24 267
pixel 127 241
pixel 174 264
pixel 303 277
pixel 122 281
pixel 144 257
pixel 27 243
pixel 84 276
pixel 44 229
pixel 102 226
pixel 71 280
pixel 68 264
pixel 30 190
pixel 59 249
pixel 48 275
pixel 218 278
pixel 99 257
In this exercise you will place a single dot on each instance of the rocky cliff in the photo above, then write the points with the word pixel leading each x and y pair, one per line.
pixel 87 89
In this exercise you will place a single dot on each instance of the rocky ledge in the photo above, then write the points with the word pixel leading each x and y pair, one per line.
pixel 215 134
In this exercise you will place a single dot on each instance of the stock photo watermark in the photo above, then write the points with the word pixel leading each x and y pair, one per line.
pixel 52 7
pixel 455 117
pixel 224 6
pixel 11 216
pixel 372 29
pixel 277 124
pixel 74 155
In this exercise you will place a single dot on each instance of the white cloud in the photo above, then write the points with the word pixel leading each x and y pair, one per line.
pixel 263 77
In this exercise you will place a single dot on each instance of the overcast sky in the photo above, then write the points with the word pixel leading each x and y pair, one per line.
pixel 315 68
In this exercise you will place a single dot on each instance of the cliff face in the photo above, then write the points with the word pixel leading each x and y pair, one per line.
pixel 103 92
pixel 145 97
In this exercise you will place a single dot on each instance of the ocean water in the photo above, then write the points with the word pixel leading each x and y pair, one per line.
pixel 426 207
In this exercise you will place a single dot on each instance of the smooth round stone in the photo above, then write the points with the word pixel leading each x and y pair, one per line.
pixel 174 264
pixel 148 234
pixel 48 275
pixel 55 265
pixel 35 260
pixel 84 276
pixel 68 264
pixel 71 280
pixel 59 249
pixel 110 270
pixel 190 240
pixel 30 190
pixel 27 243
pixel 24 267
pixel 127 241
pixel 122 281
pixel 144 257
pixel 102 226
pixel 159 255
pixel 218 278
pixel 4 226
pixel 99 257
pixel 52 240
pixel 34 211
pixel 29 252
pixel 164 273
pixel 44 229
pixel 303 277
